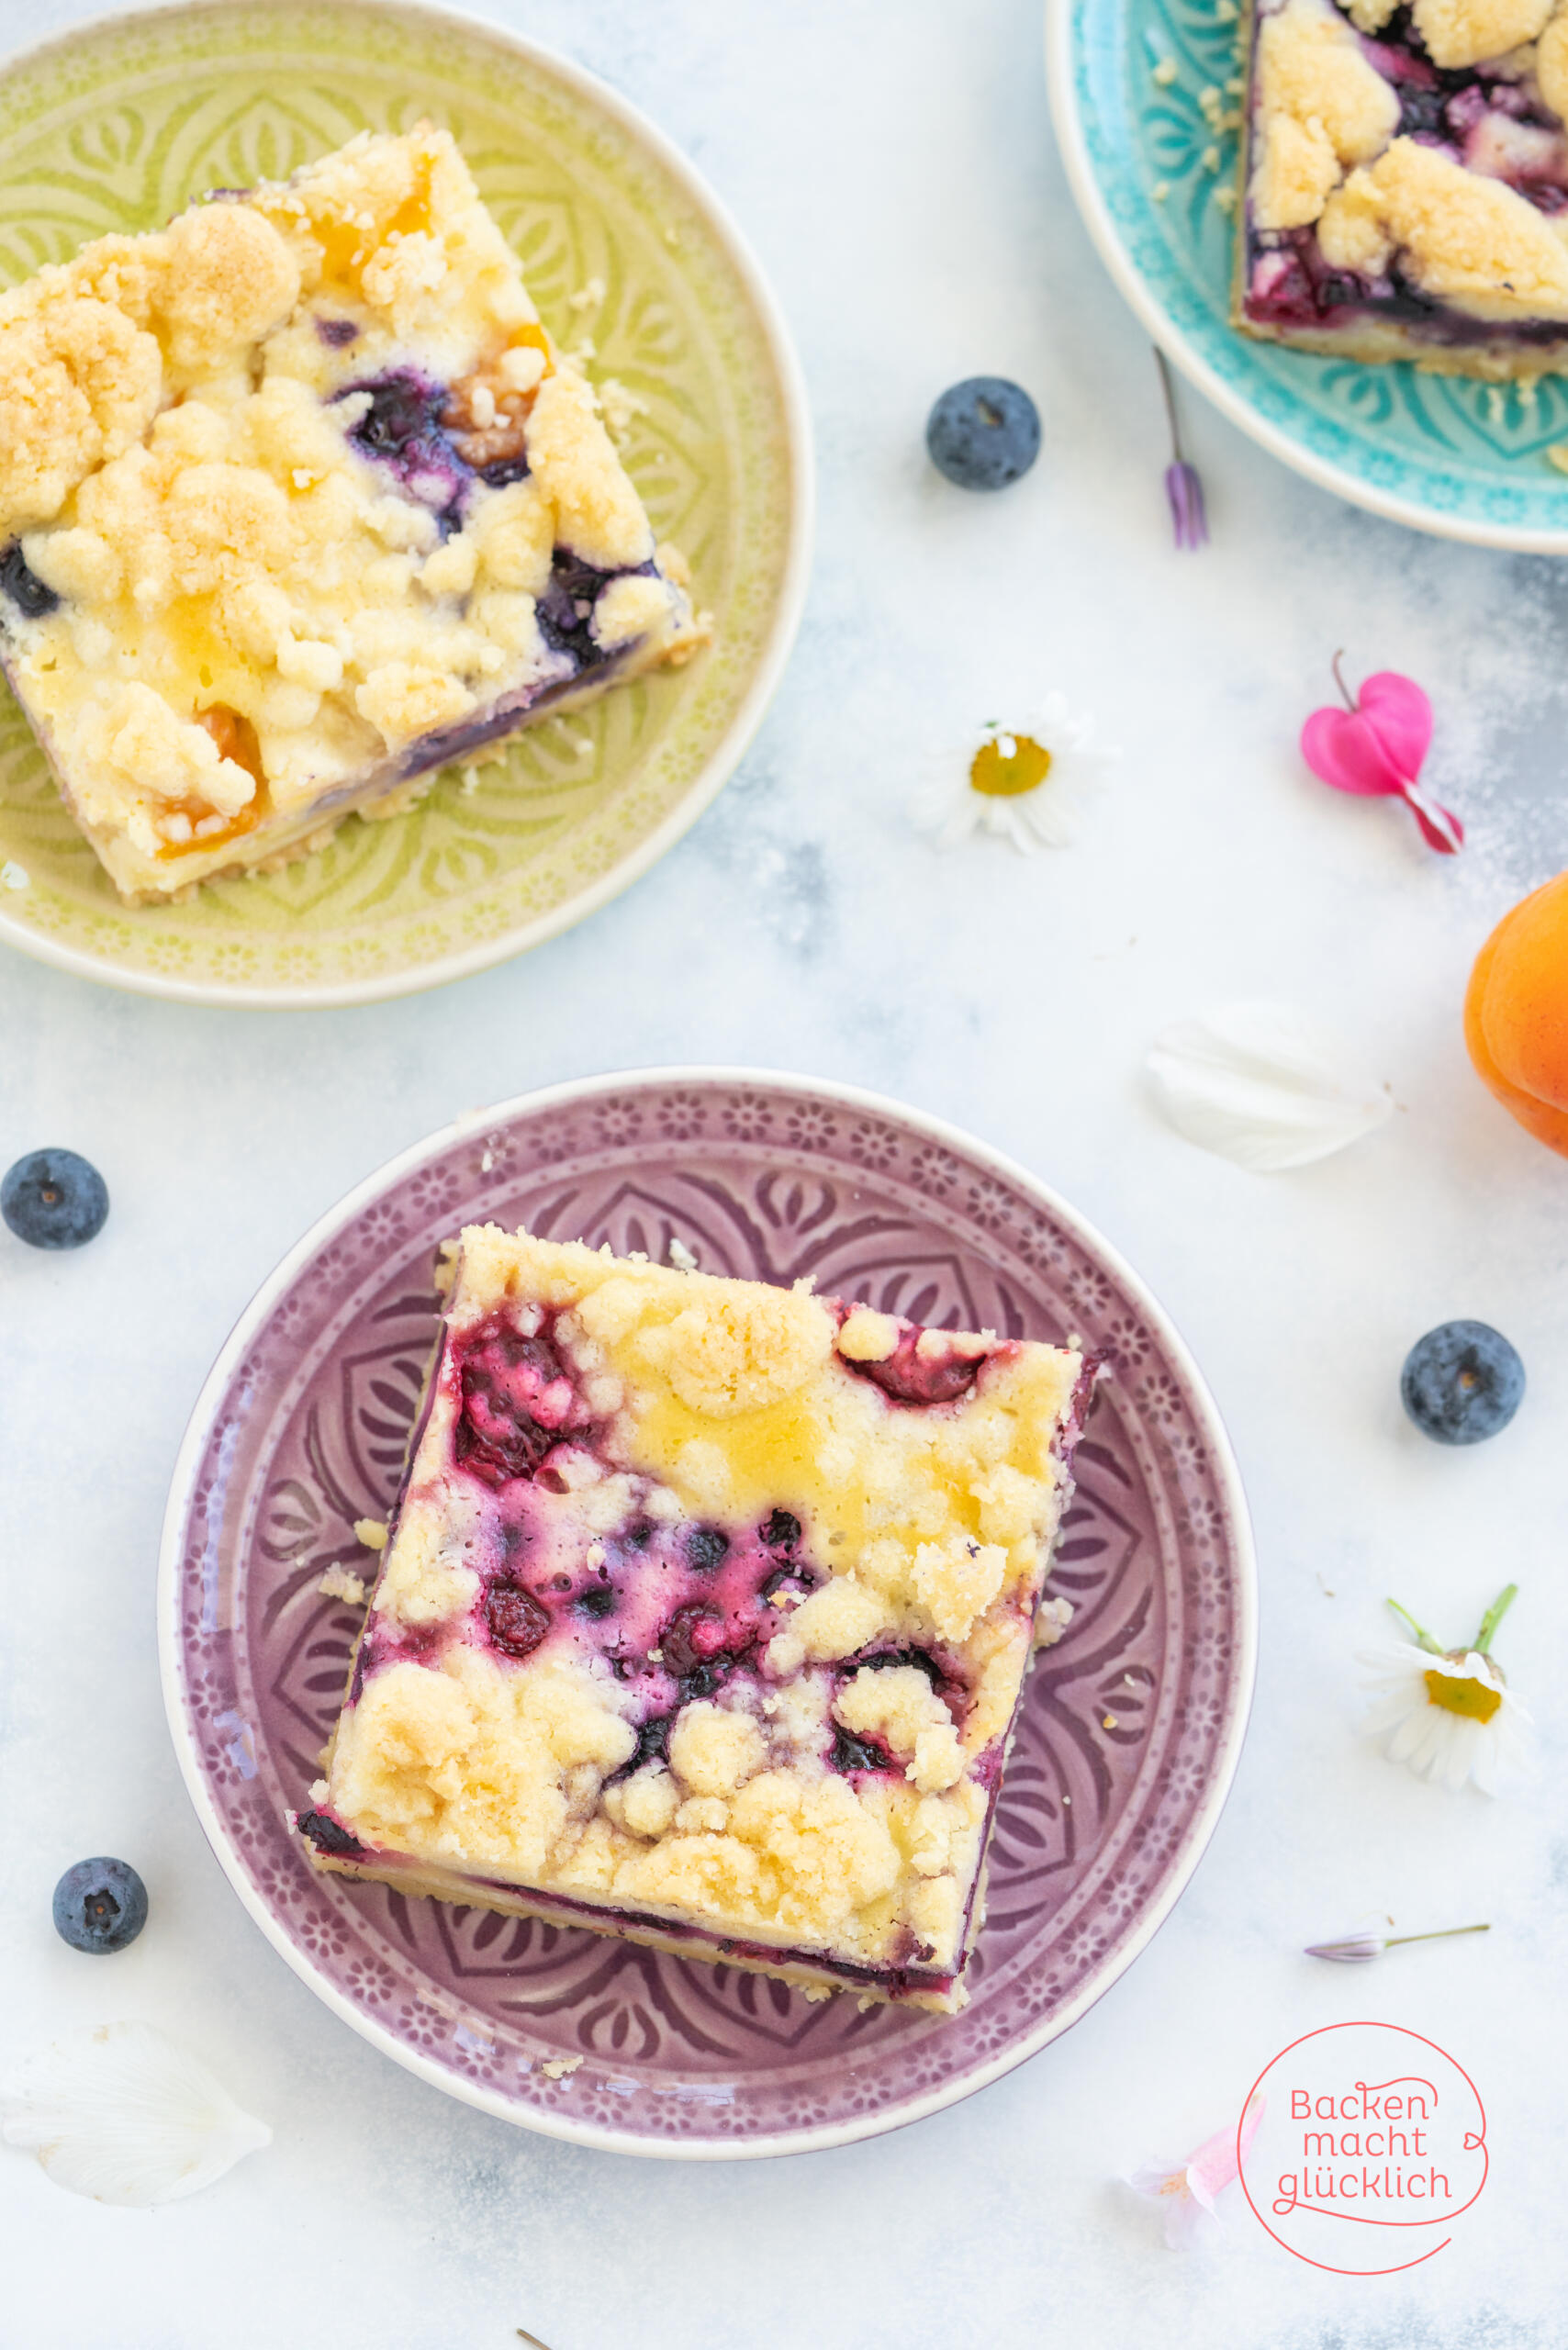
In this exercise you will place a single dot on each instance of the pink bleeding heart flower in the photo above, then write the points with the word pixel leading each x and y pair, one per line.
pixel 1187 2192
pixel 1375 745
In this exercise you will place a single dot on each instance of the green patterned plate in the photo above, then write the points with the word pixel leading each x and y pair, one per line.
pixel 1441 453
pixel 116 127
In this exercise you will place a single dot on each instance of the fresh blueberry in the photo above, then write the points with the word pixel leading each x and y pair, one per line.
pixel 24 586
pixel 707 1549
pixel 984 433
pixel 1461 1382
pixel 54 1199
pixel 100 1905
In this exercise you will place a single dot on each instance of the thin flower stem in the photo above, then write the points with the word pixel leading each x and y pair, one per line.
pixel 1494 1617
pixel 1166 386
pixel 1423 1639
pixel 1438 1933
pixel 1347 698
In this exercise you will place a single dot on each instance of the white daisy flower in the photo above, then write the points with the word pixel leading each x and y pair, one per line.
pixel 1030 783
pixel 1448 1713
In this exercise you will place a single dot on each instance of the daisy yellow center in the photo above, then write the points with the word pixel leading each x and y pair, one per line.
pixel 1477 1700
pixel 1009 766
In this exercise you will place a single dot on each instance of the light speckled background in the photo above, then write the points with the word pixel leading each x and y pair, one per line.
pixel 893 166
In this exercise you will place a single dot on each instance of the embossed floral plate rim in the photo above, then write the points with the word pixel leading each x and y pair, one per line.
pixel 796 461
pixel 1268 392
pixel 207 1439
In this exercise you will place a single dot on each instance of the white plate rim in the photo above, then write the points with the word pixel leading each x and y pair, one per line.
pixel 171 1548
pixel 733 745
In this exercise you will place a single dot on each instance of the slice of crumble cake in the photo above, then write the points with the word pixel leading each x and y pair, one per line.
pixel 297 502
pixel 704 1617
pixel 1406 182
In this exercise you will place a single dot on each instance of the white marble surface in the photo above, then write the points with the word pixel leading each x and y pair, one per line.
pixel 894 165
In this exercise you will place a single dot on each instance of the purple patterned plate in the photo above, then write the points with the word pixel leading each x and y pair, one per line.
pixel 1130 1731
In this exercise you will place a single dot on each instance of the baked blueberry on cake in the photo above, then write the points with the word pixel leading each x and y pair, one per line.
pixel 704 1617
pixel 298 502
pixel 1407 182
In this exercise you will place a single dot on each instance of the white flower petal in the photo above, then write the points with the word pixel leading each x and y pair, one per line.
pixel 127 2116
pixel 1261 1085
pixel 1412 1741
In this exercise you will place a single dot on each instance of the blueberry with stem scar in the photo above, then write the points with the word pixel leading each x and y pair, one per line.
pixel 100 1905
pixel 54 1199
pixel 1461 1382
pixel 984 433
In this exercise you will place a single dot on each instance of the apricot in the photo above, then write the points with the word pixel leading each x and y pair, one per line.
pixel 1516 1013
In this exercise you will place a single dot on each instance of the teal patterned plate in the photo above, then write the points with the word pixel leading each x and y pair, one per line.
pixel 1444 454
pixel 118 125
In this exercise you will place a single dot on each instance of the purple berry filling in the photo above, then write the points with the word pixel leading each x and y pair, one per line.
pixel 565 609
pixel 707 1549
pixel 517 1401
pixel 899 1980
pixel 519 1623
pixel 337 333
pixel 461 741
pixel 401 428
pixel 327 1836
pixel 1489 126
pixel 675 1609
pixel 24 588
pixel 907 1376
pixel 887 1659
pixel 851 1754
pixel 652 1746
pixel 695 1636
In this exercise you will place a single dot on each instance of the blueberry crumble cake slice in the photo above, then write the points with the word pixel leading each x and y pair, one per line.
pixel 1406 182
pixel 299 501
pixel 704 1617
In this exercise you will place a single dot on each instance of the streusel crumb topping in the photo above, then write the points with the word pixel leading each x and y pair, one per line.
pixel 297 474
pixel 1323 107
pixel 1467 32
pixel 1466 239
pixel 709 1599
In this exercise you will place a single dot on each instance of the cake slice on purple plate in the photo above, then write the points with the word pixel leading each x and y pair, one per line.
pixel 1406 183
pixel 297 503
pixel 704 1617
